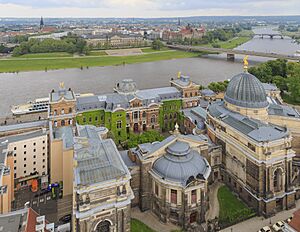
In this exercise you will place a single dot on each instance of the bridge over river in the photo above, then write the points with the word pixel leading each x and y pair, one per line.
pixel 231 52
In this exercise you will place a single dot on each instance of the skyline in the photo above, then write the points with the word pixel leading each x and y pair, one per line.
pixel 146 8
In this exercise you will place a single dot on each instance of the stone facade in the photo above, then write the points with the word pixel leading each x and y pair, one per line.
pixel 182 204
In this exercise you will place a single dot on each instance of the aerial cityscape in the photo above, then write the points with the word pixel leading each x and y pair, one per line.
pixel 149 116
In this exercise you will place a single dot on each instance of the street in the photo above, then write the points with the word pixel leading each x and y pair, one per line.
pixel 256 223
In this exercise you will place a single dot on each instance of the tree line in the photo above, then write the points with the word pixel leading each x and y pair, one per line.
pixel 285 75
pixel 71 44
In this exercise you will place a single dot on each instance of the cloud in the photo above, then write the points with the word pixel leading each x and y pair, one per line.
pixel 145 8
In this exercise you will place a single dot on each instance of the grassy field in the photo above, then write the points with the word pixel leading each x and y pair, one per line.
pixel 18 65
pixel 230 44
pixel 232 210
pixel 245 33
pixel 235 42
pixel 46 55
pixel 97 53
pixel 147 50
pixel 138 226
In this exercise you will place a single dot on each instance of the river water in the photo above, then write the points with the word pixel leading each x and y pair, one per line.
pixel 22 87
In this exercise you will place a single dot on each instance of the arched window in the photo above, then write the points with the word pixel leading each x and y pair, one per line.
pixel 55 112
pixel 63 123
pixel 70 110
pixel 144 114
pixel 166 117
pixel 62 111
pixel 153 118
pixel 193 217
pixel 277 180
pixel 103 226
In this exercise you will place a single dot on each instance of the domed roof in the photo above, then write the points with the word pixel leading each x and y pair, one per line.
pixel 127 86
pixel 181 164
pixel 246 90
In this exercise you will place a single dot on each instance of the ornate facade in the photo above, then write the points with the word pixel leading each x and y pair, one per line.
pixel 170 178
pixel 102 193
pixel 257 160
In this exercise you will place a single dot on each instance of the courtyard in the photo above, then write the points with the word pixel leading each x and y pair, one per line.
pixel 232 210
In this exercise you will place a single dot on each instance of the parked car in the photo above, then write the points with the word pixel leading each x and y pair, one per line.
pixel 66 218
pixel 265 229
pixel 278 226
pixel 289 219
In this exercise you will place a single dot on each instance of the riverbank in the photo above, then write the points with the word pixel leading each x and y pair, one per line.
pixel 230 44
pixel 51 63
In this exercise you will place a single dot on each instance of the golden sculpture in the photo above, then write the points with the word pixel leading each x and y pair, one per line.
pixel 62 85
pixel 246 63
pixel 179 75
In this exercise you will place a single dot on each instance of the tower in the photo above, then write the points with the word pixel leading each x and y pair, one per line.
pixel 42 23
pixel 62 107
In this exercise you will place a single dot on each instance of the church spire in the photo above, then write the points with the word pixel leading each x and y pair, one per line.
pixel 42 23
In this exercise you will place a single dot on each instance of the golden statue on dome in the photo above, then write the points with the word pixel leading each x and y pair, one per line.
pixel 245 60
pixel 62 85
pixel 179 75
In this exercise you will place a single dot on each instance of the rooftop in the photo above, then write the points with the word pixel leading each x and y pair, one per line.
pixel 113 101
pixel 181 164
pixel 247 91
pixel 252 128
pixel 97 160
pixel 66 134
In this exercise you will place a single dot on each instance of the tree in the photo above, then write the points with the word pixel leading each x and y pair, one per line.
pixel 293 84
pixel 157 44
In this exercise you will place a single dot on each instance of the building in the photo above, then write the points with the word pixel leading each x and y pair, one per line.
pixel 6 179
pixel 131 110
pixel 188 89
pixel 170 178
pixel 102 193
pixel 114 40
pixel 257 161
pixel 25 220
pixel 184 33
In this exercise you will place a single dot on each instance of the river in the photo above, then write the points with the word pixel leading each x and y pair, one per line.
pixel 22 87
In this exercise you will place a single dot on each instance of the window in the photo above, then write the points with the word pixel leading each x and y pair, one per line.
pixel 96 118
pixel 24 159
pixel 25 146
pixel 43 166
pixel 34 156
pixel 70 110
pixel 119 124
pixel 55 112
pixel 136 114
pixel 63 123
pixel 44 154
pixel 34 163
pixel 173 196
pixel 34 169
pixel 24 172
pixel 34 144
pixel 156 189
pixel 62 111
pixel 15 168
pixel 84 120
pixel 43 141
pixel 15 175
pixel 194 196
pixel 43 148
pixel 153 119
pixel 25 165
pixel 90 119
pixel 24 152
pixel 15 161
pixel 144 114
pixel 43 160
pixel 119 133
pixel 15 154
pixel 34 150
pixel 15 148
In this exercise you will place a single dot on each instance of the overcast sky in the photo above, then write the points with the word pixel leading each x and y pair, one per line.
pixel 145 8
